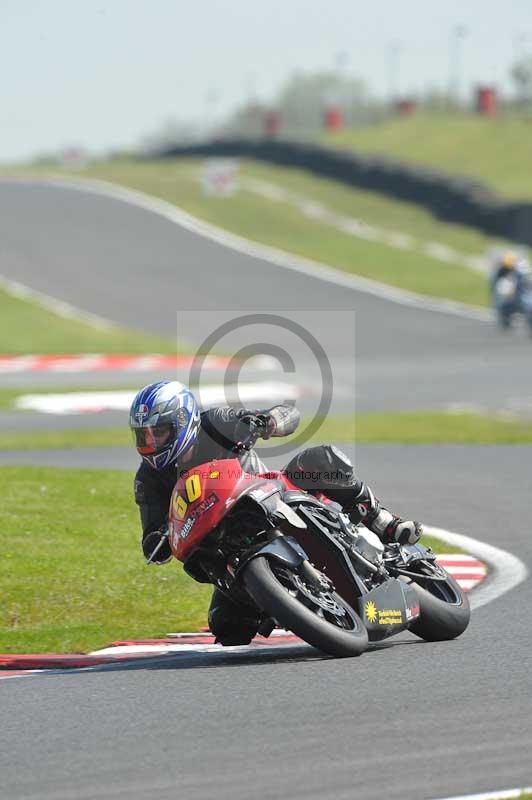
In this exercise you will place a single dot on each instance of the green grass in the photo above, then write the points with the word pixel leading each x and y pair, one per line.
pixel 281 225
pixel 71 439
pixel 27 327
pixel 428 427
pixel 413 427
pixel 73 577
pixel 496 151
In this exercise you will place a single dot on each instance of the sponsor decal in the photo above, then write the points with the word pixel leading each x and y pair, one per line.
pixel 412 612
pixel 182 417
pixel 382 616
pixel 187 527
pixel 214 474
pixel 390 616
pixel 206 504
pixel 142 412
pixel 199 509
pixel 180 507
pixel 371 611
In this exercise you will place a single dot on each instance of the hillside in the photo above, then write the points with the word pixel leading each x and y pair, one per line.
pixel 496 151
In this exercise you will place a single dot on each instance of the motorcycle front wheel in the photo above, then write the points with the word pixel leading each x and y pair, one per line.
pixel 316 614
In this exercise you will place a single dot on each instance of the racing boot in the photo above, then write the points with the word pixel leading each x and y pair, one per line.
pixel 366 509
pixel 231 623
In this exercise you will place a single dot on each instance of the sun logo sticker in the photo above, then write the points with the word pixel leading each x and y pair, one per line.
pixel 371 611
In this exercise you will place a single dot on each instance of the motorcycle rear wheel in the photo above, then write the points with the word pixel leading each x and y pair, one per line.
pixel 444 610
pixel 327 622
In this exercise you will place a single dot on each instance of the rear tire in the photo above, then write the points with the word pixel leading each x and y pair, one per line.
pixel 281 602
pixel 442 617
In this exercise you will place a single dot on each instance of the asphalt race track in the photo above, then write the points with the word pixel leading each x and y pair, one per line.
pixel 406 720
pixel 116 259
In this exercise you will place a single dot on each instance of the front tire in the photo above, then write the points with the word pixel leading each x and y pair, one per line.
pixel 444 610
pixel 329 624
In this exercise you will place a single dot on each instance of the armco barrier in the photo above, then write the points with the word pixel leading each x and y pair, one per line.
pixel 449 197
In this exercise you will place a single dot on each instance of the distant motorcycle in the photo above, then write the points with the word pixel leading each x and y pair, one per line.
pixel 512 295
pixel 297 561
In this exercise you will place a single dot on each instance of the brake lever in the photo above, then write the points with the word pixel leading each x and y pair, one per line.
pixel 164 537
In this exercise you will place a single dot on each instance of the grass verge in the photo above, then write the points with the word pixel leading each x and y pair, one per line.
pixel 28 327
pixel 413 427
pixel 73 578
pixel 428 427
pixel 282 225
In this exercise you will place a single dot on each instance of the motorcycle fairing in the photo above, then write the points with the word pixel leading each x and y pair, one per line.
pixel 324 532
pixel 284 549
pixel 388 608
pixel 204 495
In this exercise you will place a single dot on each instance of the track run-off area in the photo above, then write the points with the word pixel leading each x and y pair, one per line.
pixel 408 718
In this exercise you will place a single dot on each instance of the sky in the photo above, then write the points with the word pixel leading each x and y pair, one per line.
pixel 102 74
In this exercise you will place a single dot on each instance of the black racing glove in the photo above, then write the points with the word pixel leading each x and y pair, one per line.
pixel 150 543
pixel 260 423
pixel 404 531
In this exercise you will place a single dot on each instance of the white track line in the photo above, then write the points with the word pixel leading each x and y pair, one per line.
pixel 504 794
pixel 59 307
pixel 280 258
pixel 508 570
pixel 211 395
pixel 362 230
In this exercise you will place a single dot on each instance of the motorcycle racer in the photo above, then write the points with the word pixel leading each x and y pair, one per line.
pixel 171 434
pixel 511 288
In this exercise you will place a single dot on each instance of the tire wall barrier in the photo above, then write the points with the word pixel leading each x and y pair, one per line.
pixel 449 197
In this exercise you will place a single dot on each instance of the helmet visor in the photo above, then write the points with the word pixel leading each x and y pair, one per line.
pixel 152 439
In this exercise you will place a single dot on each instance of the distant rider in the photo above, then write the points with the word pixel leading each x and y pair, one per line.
pixel 510 266
pixel 511 281
pixel 171 434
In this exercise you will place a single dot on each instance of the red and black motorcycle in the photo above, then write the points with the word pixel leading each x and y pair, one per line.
pixel 299 561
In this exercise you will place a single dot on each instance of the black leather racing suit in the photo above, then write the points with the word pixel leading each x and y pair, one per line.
pixel 323 468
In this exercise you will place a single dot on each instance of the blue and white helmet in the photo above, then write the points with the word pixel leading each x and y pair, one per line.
pixel 164 419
